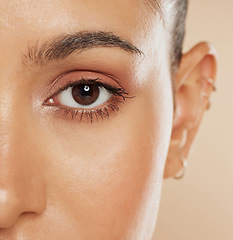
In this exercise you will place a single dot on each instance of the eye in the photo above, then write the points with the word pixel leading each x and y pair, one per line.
pixel 84 96
pixel 88 99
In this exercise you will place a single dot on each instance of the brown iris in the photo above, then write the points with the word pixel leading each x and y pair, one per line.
pixel 85 94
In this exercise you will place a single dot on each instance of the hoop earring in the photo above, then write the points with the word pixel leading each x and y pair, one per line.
pixel 181 175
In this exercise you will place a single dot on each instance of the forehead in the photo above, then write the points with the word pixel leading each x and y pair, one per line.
pixel 64 12
pixel 32 18
pixel 26 23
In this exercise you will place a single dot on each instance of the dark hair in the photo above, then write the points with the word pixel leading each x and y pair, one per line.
pixel 177 31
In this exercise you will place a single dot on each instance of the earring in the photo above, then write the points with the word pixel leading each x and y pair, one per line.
pixel 211 81
pixel 205 95
pixel 183 171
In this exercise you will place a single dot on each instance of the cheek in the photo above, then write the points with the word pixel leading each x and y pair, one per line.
pixel 109 173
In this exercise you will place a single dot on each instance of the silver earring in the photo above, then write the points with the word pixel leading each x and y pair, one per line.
pixel 183 171
pixel 211 82
pixel 206 95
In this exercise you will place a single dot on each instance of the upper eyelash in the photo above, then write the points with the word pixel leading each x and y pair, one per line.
pixel 116 91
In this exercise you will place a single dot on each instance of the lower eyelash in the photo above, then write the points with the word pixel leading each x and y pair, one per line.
pixel 92 114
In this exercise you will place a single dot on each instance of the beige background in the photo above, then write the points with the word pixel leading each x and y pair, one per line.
pixel 201 205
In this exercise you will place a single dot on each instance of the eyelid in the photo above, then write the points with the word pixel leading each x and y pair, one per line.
pixel 75 76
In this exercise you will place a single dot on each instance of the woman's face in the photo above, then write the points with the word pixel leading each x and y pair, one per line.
pixel 85 119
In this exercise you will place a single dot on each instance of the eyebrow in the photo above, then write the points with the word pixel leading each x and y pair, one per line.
pixel 67 44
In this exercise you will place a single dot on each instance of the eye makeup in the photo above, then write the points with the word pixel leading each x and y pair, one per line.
pixel 86 96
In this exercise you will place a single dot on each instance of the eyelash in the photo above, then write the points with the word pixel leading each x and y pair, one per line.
pixel 119 97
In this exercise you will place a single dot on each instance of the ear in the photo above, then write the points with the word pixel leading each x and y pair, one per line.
pixel 194 85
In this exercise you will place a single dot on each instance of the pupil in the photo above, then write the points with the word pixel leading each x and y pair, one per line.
pixel 85 94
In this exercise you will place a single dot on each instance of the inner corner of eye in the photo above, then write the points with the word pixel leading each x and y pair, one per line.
pixel 49 101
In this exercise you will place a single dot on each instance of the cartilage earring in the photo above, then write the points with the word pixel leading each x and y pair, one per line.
pixel 206 95
pixel 183 171
pixel 211 81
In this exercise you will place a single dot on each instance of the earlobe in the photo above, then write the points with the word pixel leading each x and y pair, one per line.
pixel 194 85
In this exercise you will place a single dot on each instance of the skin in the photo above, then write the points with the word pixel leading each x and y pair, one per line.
pixel 65 179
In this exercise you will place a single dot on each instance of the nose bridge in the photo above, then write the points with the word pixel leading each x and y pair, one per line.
pixel 21 184
pixel 15 154
pixel 12 124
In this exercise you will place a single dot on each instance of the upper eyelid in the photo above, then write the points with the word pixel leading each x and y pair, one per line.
pixel 57 79
pixel 60 83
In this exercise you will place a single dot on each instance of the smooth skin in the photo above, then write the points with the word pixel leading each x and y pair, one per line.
pixel 62 178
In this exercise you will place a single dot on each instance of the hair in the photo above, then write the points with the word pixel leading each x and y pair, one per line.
pixel 173 13
pixel 177 32
pixel 177 19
